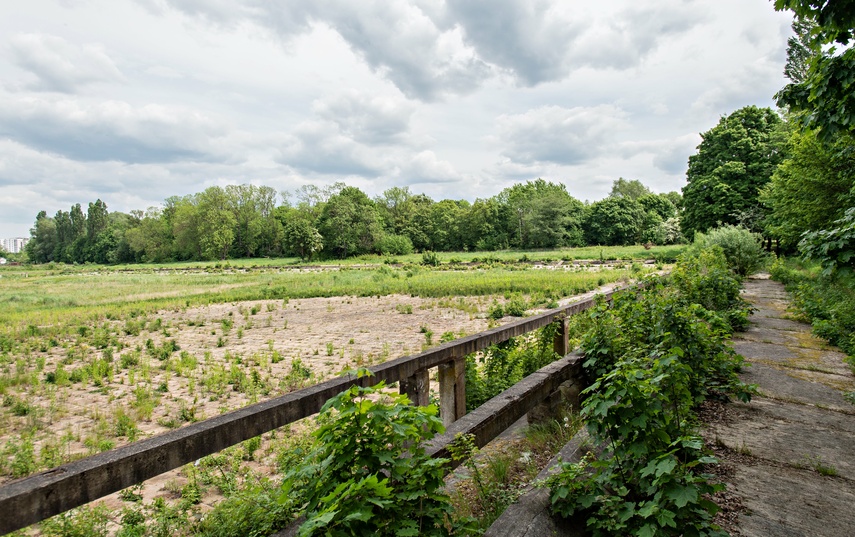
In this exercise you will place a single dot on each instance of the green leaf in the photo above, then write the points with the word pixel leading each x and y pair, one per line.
pixel 682 495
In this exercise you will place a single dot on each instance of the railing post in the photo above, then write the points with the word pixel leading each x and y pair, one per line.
pixel 452 390
pixel 417 388
pixel 561 342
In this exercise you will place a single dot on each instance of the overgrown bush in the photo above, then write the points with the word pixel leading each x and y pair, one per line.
pixel 702 277
pixel 743 249
pixel 504 364
pixel 655 354
pixel 369 474
pixel 835 247
pixel 394 245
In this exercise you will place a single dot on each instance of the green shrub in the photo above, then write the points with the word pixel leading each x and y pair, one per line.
pixel 828 302
pixel 86 521
pixel 357 480
pixel 430 259
pixel 394 245
pixel 255 511
pixel 702 277
pixel 656 354
pixel 743 249
pixel 834 248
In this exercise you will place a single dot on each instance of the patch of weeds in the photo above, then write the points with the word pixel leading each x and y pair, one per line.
pixel 819 466
pixel 86 521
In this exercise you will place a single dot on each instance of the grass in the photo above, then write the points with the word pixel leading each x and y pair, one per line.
pixel 495 477
pixel 39 298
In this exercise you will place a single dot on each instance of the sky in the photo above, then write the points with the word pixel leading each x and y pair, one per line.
pixel 133 101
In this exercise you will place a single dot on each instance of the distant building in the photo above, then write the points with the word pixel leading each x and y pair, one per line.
pixel 15 245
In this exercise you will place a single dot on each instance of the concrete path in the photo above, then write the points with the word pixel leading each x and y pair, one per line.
pixel 792 449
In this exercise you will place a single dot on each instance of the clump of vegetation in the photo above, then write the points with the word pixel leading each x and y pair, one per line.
pixel 356 480
pixel 826 301
pixel 655 355
pixel 742 249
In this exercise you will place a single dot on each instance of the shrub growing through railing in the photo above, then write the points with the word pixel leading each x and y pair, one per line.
pixel 368 473
pixel 656 354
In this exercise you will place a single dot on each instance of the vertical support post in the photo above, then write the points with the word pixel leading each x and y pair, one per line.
pixel 417 388
pixel 452 390
pixel 561 343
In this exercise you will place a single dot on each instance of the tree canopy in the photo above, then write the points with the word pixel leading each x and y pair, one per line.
pixel 824 98
pixel 735 159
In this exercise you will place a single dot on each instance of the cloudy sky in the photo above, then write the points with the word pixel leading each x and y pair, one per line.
pixel 134 101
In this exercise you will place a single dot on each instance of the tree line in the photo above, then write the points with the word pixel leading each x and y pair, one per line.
pixel 339 221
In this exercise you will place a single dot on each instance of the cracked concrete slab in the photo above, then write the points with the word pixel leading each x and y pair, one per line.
pixel 795 468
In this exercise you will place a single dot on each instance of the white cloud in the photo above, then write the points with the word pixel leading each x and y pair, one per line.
pixel 544 40
pixel 62 66
pixel 559 135
pixel 425 167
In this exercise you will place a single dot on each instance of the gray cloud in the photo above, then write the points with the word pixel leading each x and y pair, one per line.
pixel 673 158
pixel 544 40
pixel 625 39
pixel 559 135
pixel 111 130
pixel 368 119
pixel 59 65
pixel 396 39
pixel 319 147
pixel 526 37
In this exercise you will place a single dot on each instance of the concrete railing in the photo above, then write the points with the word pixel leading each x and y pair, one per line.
pixel 40 496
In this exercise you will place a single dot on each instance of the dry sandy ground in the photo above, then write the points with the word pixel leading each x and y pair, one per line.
pixel 325 334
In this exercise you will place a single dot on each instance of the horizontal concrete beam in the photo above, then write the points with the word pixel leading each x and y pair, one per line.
pixel 35 498
pixel 496 415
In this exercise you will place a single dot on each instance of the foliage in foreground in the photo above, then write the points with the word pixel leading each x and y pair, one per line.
pixel 369 474
pixel 656 355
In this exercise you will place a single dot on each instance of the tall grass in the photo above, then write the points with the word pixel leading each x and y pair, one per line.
pixel 40 302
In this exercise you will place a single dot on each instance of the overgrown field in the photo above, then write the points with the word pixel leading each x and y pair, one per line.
pixel 92 358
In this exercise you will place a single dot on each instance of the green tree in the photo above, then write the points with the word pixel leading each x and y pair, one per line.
pixel 734 161
pixel 247 217
pixel 487 225
pixel 443 226
pixel 64 236
pixel 42 244
pixel 97 219
pixel 659 204
pixel 150 238
pixel 824 98
pixel 544 214
pixel 811 189
pixel 216 223
pixel 302 237
pixel 350 223
pixel 614 221
pixel 801 49
pixel 625 188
